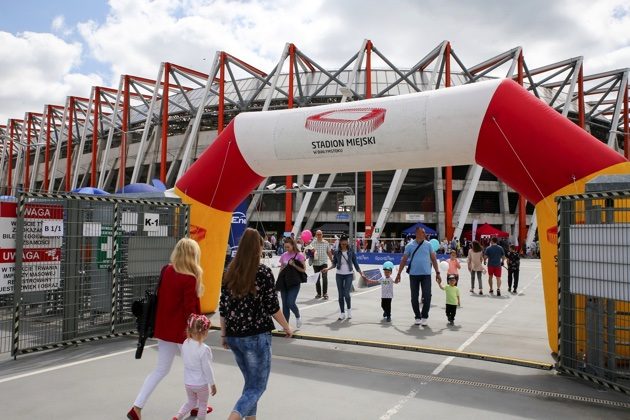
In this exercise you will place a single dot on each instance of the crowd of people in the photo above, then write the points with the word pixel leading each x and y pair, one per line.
pixel 249 304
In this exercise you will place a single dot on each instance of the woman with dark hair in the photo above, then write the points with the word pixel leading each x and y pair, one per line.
pixel 248 304
pixel 475 265
pixel 344 259
pixel 292 263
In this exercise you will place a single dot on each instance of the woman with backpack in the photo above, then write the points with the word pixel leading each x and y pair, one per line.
pixel 178 294
pixel 292 275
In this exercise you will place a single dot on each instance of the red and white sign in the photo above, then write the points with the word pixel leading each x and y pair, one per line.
pixel 41 256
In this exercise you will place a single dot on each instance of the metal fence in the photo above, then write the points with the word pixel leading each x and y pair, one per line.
pixel 71 265
pixel 594 276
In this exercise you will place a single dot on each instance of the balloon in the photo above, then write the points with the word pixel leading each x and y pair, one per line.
pixel 435 244
pixel 443 265
pixel 306 236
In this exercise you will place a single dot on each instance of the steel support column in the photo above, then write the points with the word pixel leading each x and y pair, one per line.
pixel 148 122
pixel 581 110
pixel 626 133
pixel 345 96
pixel 522 203
pixel 97 107
pixel 448 197
pixel 310 222
pixel 10 166
pixel 288 197
pixel 122 167
pixel 614 124
pixel 104 177
pixel 27 157
pixel 285 52
pixel 392 193
pixel 439 201
pixel 221 105
pixel 76 182
pixel 304 205
pixel 368 174
pixel 69 144
pixel 49 111
pixel 164 142
pixel 467 194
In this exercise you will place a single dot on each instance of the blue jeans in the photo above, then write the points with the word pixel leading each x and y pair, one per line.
pixel 289 297
pixel 253 356
pixel 344 285
pixel 416 283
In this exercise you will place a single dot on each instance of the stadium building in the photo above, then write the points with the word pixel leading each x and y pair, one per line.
pixel 148 129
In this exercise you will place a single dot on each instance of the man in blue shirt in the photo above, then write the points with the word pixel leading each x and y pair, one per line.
pixel 421 258
pixel 494 256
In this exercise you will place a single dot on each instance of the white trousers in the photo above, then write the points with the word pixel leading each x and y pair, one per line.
pixel 166 353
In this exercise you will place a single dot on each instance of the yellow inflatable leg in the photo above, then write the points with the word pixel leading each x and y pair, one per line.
pixel 210 228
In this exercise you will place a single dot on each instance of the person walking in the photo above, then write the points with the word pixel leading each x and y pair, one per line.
pixel 179 291
pixel 247 305
pixel 292 263
pixel 454 266
pixel 494 257
pixel 344 260
pixel 514 269
pixel 387 290
pixel 475 266
pixel 421 258
pixel 320 261
pixel 198 374
pixel 452 298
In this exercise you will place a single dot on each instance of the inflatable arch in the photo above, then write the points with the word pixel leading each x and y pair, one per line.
pixel 496 124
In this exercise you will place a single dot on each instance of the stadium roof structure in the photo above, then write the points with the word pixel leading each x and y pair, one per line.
pixel 185 101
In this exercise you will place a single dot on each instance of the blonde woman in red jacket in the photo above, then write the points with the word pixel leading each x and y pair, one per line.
pixel 178 297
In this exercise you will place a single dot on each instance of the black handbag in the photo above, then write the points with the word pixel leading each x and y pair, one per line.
pixel 145 311
pixel 289 276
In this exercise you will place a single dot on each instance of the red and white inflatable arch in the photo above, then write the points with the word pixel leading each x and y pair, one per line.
pixel 496 124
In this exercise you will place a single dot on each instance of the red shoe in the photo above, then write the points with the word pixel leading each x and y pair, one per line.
pixel 194 411
pixel 132 415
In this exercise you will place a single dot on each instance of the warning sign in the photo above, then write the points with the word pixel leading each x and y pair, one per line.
pixel 41 269
pixel 41 256
pixel 35 215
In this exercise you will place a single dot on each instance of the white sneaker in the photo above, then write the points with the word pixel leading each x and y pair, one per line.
pixel 342 316
pixel 424 322
pixel 349 313
pixel 418 322
pixel 298 322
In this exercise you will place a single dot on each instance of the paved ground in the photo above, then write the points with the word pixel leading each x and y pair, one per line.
pixel 326 381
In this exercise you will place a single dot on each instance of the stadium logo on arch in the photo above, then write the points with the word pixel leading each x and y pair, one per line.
pixel 346 122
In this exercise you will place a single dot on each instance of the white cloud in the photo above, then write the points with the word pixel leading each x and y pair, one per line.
pixel 59 26
pixel 41 70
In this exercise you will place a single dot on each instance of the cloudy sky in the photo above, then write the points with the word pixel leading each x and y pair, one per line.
pixel 51 49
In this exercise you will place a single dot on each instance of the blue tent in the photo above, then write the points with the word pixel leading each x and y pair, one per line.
pixel 138 188
pixel 411 230
pixel 89 191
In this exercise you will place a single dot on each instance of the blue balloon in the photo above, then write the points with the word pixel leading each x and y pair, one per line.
pixel 435 244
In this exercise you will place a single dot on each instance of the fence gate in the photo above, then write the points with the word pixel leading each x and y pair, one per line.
pixel 72 265
pixel 594 271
